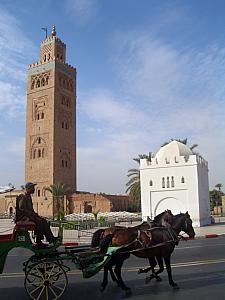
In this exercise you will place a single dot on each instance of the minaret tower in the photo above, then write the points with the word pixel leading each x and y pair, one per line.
pixel 50 121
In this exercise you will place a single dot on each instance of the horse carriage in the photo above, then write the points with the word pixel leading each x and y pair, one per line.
pixel 46 270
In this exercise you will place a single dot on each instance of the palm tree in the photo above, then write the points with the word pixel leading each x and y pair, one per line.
pixel 58 191
pixel 219 186
pixel 133 185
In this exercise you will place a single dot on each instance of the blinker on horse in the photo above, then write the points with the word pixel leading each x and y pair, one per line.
pixel 157 242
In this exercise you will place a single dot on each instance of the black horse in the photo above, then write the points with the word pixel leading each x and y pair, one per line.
pixel 157 242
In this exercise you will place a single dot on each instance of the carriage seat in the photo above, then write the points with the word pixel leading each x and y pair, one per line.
pixel 6 237
pixel 24 225
pixel 20 225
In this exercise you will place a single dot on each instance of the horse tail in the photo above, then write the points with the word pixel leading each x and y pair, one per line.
pixel 96 238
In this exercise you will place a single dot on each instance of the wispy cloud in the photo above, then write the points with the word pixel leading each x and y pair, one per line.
pixel 83 11
pixel 14 48
pixel 109 109
pixel 182 95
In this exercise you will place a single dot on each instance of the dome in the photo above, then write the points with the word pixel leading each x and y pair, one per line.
pixel 171 150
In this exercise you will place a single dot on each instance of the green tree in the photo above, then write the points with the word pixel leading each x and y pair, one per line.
pixel 216 196
pixel 134 185
pixel 58 191
pixel 219 186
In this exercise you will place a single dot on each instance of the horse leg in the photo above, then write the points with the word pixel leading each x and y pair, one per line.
pixel 118 268
pixel 161 267
pixel 114 279
pixel 169 272
pixel 105 277
pixel 153 263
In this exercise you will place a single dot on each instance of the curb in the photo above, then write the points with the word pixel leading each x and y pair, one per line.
pixel 210 236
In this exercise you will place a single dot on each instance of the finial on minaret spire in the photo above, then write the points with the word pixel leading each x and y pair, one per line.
pixel 53 31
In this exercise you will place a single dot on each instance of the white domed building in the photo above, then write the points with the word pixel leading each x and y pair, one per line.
pixel 175 179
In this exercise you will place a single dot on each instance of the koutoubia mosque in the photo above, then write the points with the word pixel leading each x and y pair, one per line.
pixel 50 151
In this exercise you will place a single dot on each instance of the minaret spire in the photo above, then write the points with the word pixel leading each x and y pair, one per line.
pixel 53 31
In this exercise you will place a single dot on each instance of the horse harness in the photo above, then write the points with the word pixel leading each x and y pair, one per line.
pixel 174 240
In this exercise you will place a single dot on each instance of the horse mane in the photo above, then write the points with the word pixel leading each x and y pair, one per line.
pixel 96 238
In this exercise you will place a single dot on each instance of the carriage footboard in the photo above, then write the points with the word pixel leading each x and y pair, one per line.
pixel 92 262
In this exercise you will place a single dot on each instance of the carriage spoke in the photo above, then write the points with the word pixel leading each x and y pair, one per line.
pixel 46 293
pixel 58 287
pixel 33 291
pixel 53 292
pixel 49 275
pixel 40 293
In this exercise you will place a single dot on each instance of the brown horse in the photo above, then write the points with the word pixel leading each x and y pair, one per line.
pixel 163 219
pixel 157 242
pixel 99 239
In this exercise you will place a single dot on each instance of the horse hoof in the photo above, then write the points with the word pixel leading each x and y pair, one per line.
pixel 147 280
pixel 158 278
pixel 175 286
pixel 128 292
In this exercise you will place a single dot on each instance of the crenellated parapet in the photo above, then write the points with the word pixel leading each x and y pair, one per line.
pixel 174 161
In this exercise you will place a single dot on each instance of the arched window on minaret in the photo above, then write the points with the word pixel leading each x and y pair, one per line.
pixel 42 115
pixel 172 181
pixel 43 152
pixel 42 82
pixel 39 152
pixel 46 81
pixel 34 154
pixel 163 182
pixel 32 84
pixel 167 182
pixel 38 83
pixel 71 85
pixel 182 179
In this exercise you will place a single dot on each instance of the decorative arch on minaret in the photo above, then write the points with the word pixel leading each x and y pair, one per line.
pixel 65 160
pixel 38 148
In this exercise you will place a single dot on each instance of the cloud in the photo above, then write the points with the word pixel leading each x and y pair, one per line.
pixel 83 11
pixel 15 47
pixel 166 93
pixel 109 109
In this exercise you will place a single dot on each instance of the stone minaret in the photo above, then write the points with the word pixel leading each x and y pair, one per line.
pixel 50 122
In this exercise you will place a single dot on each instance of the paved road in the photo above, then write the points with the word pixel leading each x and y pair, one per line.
pixel 198 268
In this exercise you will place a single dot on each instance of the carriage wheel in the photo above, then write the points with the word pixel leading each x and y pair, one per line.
pixel 46 281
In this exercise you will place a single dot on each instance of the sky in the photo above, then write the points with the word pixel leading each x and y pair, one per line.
pixel 147 71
